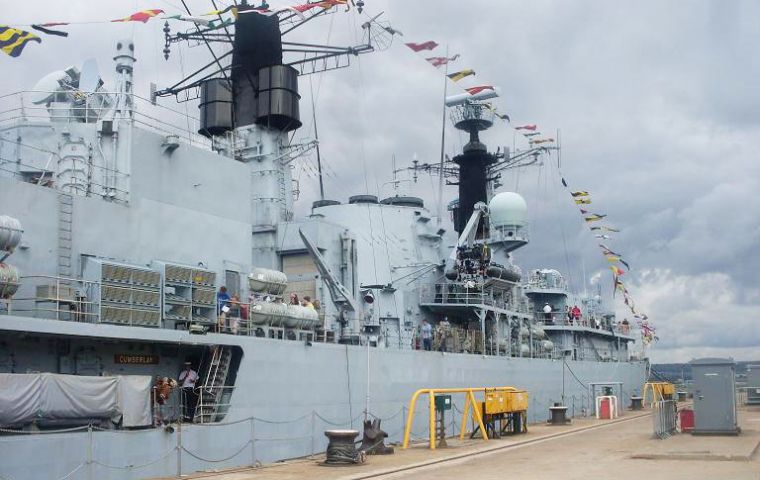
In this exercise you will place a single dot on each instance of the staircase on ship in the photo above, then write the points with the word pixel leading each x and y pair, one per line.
pixel 214 393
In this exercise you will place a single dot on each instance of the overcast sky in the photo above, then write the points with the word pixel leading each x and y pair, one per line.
pixel 658 103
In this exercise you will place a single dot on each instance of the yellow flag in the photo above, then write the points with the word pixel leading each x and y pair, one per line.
pixel 456 76
pixel 13 40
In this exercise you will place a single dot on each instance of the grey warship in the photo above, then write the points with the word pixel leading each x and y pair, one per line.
pixel 115 241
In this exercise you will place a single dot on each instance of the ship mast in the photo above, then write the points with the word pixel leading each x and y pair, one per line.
pixel 249 102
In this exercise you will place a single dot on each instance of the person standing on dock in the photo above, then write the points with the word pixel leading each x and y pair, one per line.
pixel 427 335
pixel 187 379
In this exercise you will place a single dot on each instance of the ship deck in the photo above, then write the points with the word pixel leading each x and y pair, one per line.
pixel 588 448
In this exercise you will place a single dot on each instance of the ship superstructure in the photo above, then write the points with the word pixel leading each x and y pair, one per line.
pixel 123 228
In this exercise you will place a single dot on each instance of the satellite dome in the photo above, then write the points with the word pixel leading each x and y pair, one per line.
pixel 507 208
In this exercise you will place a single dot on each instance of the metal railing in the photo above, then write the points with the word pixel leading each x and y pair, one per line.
pixel 452 294
pixel 17 107
pixel 664 418
pixel 55 298
pixel 560 319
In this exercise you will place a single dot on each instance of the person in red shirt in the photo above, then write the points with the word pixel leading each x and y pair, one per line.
pixel 576 312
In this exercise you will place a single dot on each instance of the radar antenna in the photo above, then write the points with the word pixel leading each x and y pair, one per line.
pixel 306 58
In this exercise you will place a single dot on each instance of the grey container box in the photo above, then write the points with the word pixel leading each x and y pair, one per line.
pixel 714 396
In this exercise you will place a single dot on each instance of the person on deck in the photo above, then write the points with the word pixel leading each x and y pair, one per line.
pixel 426 332
pixel 547 313
pixel 576 313
pixel 294 299
pixel 187 379
pixel 307 302
pixel 222 299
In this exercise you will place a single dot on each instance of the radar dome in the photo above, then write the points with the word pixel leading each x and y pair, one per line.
pixel 507 208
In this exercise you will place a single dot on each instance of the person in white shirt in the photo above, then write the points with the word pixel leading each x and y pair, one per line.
pixel 187 379
pixel 547 312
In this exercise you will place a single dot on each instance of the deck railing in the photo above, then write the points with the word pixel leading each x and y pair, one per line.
pixel 460 295
pixel 55 298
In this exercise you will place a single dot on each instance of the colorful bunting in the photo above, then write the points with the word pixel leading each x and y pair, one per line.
pixel 478 89
pixel 323 4
pixel 219 12
pixel 418 47
pixel 48 31
pixel 581 197
pixel 141 16
pixel 502 116
pixel 527 127
pixel 594 217
pixel 618 285
pixel 13 40
pixel 439 61
pixel 456 76
pixel 606 250
pixel 188 18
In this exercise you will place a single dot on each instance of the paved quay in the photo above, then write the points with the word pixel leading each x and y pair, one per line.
pixel 622 449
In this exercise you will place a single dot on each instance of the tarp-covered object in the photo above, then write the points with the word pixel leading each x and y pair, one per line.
pixel 49 396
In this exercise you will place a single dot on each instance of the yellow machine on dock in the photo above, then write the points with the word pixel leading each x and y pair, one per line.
pixel 660 391
pixel 506 406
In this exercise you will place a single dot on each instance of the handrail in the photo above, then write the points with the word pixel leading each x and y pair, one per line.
pixel 469 400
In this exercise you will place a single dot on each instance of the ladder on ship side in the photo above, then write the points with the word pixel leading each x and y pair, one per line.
pixel 65 214
pixel 213 391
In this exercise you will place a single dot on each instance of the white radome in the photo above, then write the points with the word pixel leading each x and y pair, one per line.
pixel 508 208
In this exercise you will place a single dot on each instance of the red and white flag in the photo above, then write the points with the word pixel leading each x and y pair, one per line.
pixel 478 89
pixel 418 47
pixel 438 61
pixel 526 127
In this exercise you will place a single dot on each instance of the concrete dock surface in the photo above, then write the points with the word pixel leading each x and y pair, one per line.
pixel 586 449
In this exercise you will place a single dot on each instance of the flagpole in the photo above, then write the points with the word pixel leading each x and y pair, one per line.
pixel 443 137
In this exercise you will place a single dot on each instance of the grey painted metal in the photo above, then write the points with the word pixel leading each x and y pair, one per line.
pixel 714 396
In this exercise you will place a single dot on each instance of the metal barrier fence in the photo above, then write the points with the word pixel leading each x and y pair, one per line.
pixel 664 418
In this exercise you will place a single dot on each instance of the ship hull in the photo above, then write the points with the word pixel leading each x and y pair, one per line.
pixel 286 394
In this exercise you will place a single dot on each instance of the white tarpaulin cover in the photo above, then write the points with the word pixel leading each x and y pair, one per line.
pixel 50 396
